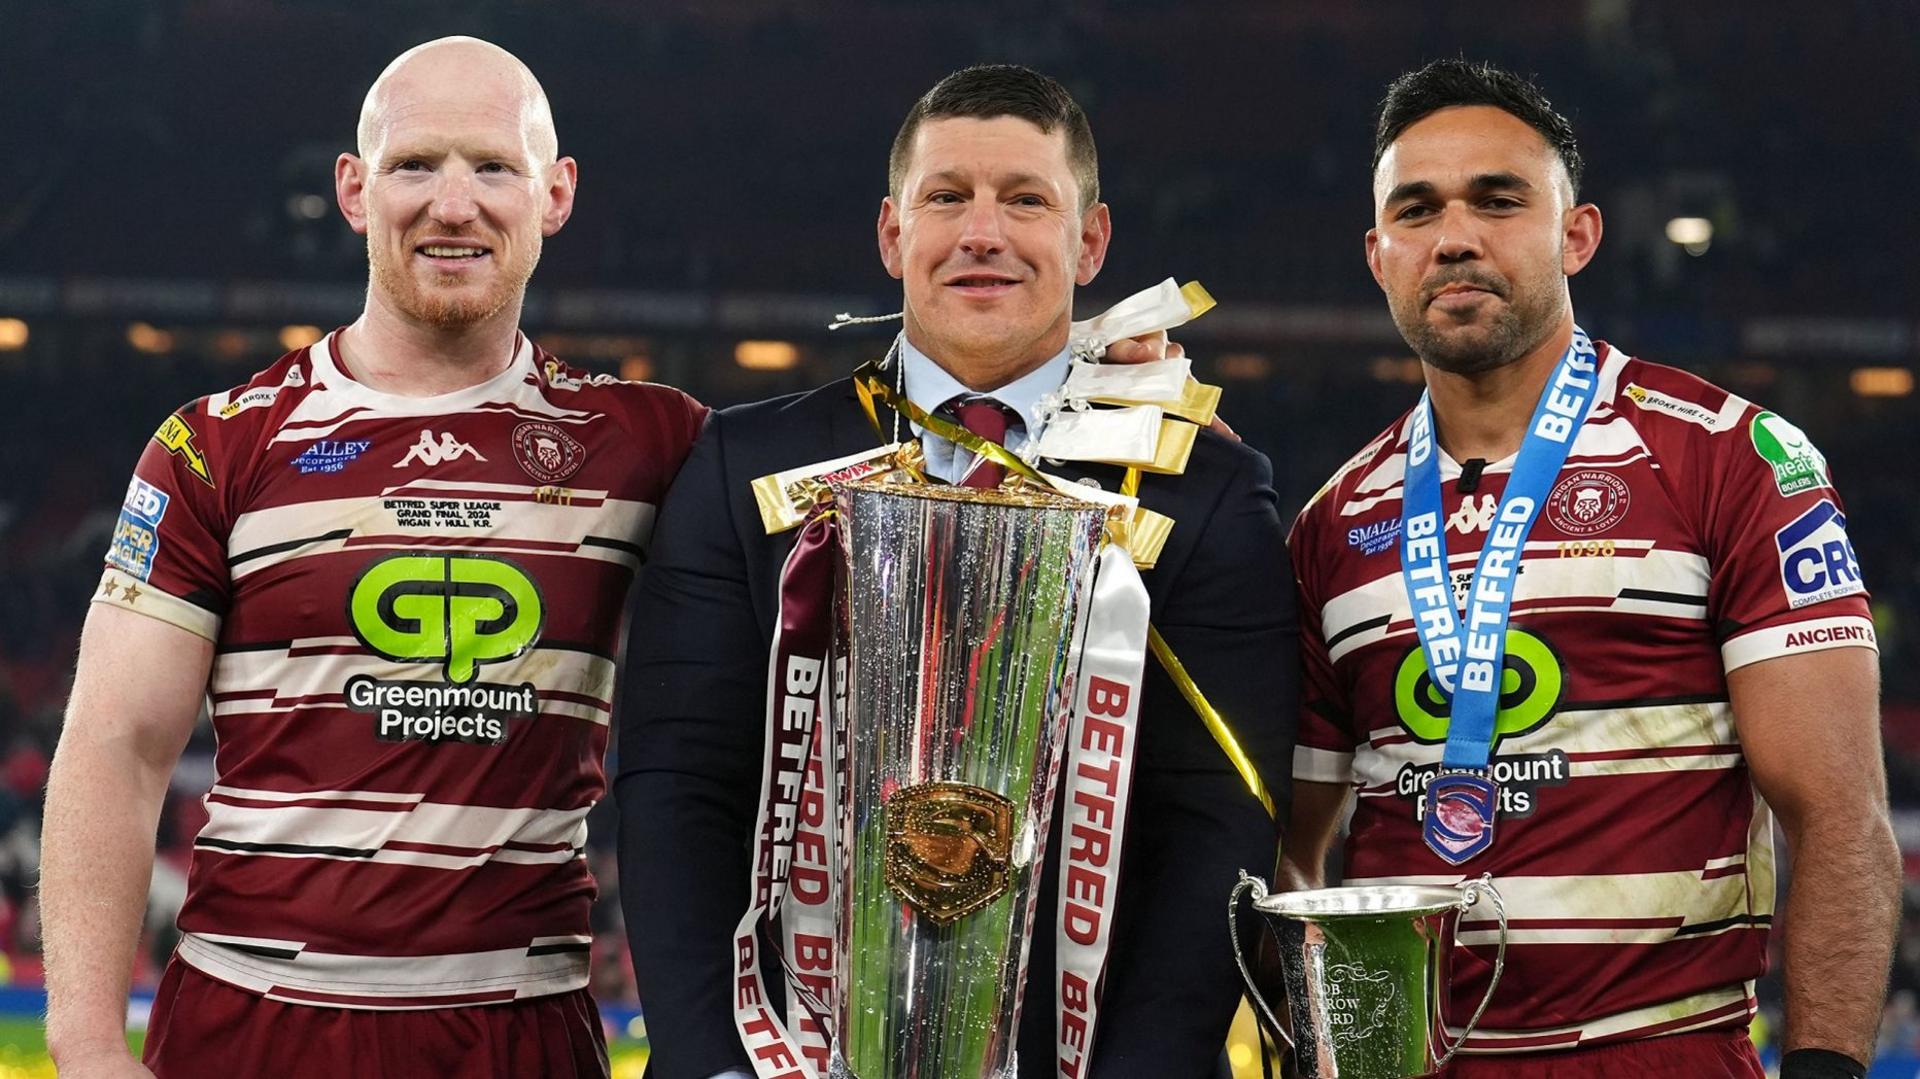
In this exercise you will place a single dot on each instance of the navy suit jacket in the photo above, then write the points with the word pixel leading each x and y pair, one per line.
pixel 692 735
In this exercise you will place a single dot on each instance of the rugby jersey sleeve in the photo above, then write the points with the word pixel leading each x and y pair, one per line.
pixel 167 557
pixel 1323 751
pixel 1784 577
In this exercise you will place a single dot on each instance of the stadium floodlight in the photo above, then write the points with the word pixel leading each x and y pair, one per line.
pixel 1693 234
pixel 296 337
pixel 767 355
pixel 1881 381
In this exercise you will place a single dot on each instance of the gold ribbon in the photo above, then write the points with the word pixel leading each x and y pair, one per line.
pixel 1215 722
pixel 871 388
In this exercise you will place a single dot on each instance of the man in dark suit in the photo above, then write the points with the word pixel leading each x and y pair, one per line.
pixel 992 219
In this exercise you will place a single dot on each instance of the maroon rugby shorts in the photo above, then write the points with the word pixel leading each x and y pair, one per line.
pixel 202 1027
pixel 1703 1054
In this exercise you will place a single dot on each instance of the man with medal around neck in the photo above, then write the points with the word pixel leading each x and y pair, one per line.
pixel 993 218
pixel 1689 653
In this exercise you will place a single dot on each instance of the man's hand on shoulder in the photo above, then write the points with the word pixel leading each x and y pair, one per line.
pixel 1149 347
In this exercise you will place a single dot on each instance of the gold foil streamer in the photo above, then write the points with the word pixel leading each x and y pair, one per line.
pixel 1199 300
pixel 1146 535
pixel 786 498
pixel 1197 403
pixel 1216 724
pixel 1174 446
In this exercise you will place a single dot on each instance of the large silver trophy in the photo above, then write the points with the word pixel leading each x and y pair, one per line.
pixel 1367 973
pixel 960 614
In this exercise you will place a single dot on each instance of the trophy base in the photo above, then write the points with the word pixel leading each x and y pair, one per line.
pixel 837 1068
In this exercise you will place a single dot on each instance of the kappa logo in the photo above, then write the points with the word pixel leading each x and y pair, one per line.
pixel 1467 519
pixel 1797 465
pixel 1587 502
pixel 432 453
pixel 177 439
pixel 1817 562
pixel 547 452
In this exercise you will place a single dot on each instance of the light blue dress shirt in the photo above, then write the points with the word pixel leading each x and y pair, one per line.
pixel 931 387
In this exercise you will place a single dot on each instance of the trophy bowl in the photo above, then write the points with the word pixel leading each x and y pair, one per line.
pixel 1366 970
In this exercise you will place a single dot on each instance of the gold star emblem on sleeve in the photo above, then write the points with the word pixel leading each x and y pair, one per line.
pixel 107 586
pixel 131 593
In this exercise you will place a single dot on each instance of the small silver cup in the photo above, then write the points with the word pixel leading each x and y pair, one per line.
pixel 1366 971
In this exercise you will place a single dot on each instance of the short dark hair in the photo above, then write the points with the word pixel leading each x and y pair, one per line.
pixel 985 91
pixel 1444 84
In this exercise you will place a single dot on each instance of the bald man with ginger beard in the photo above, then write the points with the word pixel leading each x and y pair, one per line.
pixel 396 563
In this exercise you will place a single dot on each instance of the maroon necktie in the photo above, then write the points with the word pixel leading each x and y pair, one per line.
pixel 987 418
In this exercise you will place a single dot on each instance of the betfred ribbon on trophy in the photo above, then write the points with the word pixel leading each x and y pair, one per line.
pixel 945 659
pixel 1466 653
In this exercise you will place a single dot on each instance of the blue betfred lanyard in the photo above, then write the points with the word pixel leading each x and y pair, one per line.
pixel 1466 657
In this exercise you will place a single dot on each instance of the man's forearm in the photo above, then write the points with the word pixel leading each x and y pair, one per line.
pixel 103 805
pixel 1842 914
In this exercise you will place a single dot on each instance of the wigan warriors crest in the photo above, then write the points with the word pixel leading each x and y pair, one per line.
pixel 1587 502
pixel 546 452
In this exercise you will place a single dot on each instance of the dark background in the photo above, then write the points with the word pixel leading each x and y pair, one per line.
pixel 166 216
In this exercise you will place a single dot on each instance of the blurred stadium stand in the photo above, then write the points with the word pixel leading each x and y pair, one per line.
pixel 167 221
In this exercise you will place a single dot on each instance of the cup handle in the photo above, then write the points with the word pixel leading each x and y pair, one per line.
pixel 1259 889
pixel 1469 895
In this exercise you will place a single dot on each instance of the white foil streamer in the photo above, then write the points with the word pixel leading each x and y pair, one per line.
pixel 1120 436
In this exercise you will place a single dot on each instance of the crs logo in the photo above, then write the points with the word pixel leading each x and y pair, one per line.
pixel 463 610
pixel 1531 684
pixel 1817 562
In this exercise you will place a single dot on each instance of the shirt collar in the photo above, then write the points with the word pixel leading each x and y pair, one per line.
pixel 930 386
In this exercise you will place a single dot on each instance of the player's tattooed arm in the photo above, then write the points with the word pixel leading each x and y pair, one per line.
pixel 136 693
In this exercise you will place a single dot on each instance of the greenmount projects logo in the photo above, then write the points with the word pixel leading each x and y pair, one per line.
pixel 458 611
pixel 1531 685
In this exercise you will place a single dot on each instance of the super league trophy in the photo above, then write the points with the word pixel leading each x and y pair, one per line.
pixel 960 621
pixel 1366 972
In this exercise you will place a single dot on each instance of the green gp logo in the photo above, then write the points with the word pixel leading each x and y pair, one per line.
pixel 463 609
pixel 1530 687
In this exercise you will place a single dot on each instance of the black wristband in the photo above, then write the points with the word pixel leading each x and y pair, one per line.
pixel 1820 1064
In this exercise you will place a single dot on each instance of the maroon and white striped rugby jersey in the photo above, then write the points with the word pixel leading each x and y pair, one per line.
pixel 1688 534
pixel 416 606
